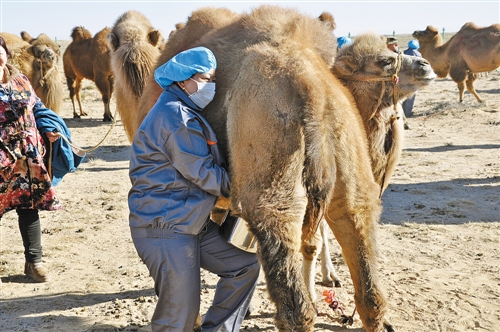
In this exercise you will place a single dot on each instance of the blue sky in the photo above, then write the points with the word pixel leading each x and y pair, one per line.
pixel 57 17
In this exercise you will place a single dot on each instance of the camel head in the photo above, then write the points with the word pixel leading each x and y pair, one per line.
pixel 135 46
pixel 427 36
pixel 369 69
pixel 46 51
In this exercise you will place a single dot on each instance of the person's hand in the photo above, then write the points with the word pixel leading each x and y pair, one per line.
pixel 52 137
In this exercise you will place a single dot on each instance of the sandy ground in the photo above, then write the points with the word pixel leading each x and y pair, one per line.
pixel 438 237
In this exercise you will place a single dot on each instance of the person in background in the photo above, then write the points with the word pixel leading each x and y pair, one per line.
pixel 392 44
pixel 412 50
pixel 341 41
pixel 177 173
pixel 25 184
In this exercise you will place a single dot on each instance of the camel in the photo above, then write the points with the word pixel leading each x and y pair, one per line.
pixel 38 58
pixel 470 51
pixel 88 57
pixel 293 134
pixel 135 45
pixel 376 97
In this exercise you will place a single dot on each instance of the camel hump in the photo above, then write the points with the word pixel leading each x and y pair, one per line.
pixel 328 19
pixel 469 25
pixel 80 33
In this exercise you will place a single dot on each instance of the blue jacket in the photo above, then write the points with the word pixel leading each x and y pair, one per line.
pixel 64 158
pixel 176 169
pixel 412 51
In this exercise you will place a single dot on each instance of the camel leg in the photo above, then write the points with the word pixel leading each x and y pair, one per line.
pixel 461 91
pixel 471 77
pixel 78 86
pixel 281 264
pixel 103 84
pixel 309 257
pixel 71 87
pixel 459 76
pixel 330 277
pixel 354 230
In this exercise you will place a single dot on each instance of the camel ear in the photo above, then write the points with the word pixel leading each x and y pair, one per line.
pixel 345 66
pixel 328 20
pixel 113 41
pixel 26 36
pixel 154 37
pixel 433 31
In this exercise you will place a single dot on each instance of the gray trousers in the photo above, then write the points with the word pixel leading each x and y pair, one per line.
pixel 408 105
pixel 174 262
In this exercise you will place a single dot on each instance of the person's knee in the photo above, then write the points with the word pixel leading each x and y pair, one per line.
pixel 27 215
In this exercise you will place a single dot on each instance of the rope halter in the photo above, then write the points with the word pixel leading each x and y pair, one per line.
pixel 395 81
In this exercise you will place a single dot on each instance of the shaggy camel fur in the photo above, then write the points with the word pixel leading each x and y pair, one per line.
pixel 87 57
pixel 292 133
pixel 135 45
pixel 366 68
pixel 470 51
pixel 38 59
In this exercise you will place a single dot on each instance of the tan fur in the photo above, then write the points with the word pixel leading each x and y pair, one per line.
pixel 470 51
pixel 89 57
pixel 292 133
pixel 38 60
pixel 362 68
pixel 135 45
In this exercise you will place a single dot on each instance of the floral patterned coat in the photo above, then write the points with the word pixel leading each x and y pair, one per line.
pixel 24 180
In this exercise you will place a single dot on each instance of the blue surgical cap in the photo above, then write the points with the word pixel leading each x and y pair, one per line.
pixel 341 41
pixel 413 44
pixel 184 65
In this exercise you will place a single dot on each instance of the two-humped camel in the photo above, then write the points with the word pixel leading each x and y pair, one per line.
pixel 88 57
pixel 365 68
pixel 38 59
pixel 135 46
pixel 470 51
pixel 293 131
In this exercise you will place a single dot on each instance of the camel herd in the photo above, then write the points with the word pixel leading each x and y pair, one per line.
pixel 312 134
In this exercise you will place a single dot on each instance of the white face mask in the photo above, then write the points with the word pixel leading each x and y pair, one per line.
pixel 204 95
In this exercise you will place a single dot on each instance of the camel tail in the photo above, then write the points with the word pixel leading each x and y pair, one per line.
pixel 318 174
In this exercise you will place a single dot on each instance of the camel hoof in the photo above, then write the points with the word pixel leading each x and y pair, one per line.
pixel 338 284
pixel 83 114
pixel 389 328
pixel 107 119
pixel 76 116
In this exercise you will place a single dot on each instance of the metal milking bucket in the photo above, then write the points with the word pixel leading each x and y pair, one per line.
pixel 235 231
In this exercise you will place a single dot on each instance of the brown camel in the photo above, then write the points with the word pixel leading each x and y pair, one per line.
pixel 292 133
pixel 135 45
pixel 38 58
pixel 365 68
pixel 88 57
pixel 470 51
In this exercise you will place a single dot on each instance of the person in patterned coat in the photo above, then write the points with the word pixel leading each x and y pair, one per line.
pixel 25 184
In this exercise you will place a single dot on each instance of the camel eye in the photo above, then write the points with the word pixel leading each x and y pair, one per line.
pixel 385 62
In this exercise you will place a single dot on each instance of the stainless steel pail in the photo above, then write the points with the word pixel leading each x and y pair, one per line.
pixel 235 231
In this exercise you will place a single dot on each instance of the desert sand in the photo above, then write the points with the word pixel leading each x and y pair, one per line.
pixel 438 237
